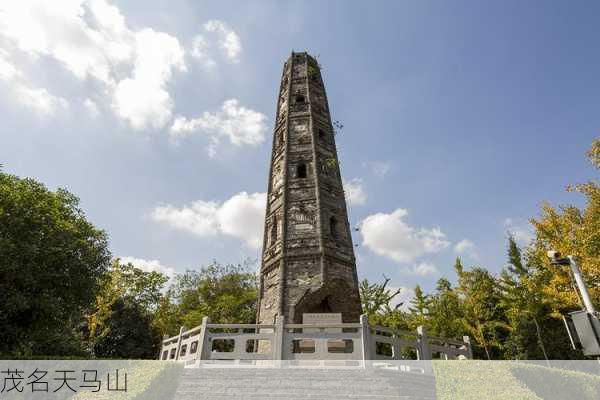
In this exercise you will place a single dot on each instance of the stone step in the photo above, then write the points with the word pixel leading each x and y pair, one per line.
pixel 295 372
pixel 307 386
pixel 335 382
pixel 310 393
pixel 300 397
pixel 301 383
pixel 248 378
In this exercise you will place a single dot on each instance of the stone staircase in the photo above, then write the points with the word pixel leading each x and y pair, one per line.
pixel 304 383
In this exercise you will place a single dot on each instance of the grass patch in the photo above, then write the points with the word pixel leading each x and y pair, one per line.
pixel 476 380
pixel 497 380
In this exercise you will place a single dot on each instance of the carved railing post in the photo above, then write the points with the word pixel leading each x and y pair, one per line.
pixel 203 352
pixel 424 348
pixel 366 338
pixel 279 335
pixel 468 346
pixel 181 329
pixel 162 347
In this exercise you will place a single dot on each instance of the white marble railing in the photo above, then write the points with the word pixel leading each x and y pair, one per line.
pixel 280 341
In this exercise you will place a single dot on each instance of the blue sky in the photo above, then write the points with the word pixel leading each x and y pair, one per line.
pixel 459 117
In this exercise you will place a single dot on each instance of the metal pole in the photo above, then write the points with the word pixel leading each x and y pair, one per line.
pixel 585 295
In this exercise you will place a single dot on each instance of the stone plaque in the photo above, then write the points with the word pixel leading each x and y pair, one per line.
pixel 322 318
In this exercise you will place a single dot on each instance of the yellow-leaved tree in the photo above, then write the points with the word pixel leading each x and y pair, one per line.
pixel 571 231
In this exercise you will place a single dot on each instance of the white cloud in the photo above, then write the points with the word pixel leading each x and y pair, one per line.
pixel 241 125
pixel 149 265
pixel 425 269
pixel 90 38
pixel 143 99
pixel 7 70
pixel 40 100
pixel 200 51
pixel 63 31
pixel 390 236
pixel 463 246
pixel 241 216
pixel 141 105
pixel 467 247
pixel 355 193
pixel 198 218
pixel 228 41
pixel 378 168
pixel 521 231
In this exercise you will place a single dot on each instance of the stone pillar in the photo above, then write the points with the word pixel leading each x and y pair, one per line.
pixel 202 353
pixel 181 329
pixel 424 349
pixel 279 336
pixel 468 346
pixel 366 338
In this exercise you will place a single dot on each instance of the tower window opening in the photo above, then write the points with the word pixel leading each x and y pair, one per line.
pixel 333 226
pixel 300 99
pixel 321 134
pixel 301 171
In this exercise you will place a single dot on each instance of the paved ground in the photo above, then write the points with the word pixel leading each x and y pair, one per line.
pixel 294 383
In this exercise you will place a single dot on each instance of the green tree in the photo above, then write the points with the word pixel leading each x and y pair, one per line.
pixel 484 317
pixel 224 293
pixel 419 308
pixel 446 312
pixel 51 260
pixel 123 281
pixel 376 297
pixel 572 231
pixel 525 307
pixel 127 332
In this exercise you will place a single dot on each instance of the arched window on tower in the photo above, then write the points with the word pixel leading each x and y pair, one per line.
pixel 301 171
pixel 321 134
pixel 333 226
pixel 300 99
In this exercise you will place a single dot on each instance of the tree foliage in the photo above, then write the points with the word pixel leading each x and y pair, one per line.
pixel 130 293
pixel 127 332
pixel 376 297
pixel 224 293
pixel 51 258
pixel 571 231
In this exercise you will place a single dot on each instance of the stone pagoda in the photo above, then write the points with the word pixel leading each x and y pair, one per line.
pixel 308 263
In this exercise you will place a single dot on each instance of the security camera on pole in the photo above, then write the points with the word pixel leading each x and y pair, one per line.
pixel 583 326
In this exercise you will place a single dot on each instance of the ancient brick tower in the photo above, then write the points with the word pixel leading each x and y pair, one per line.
pixel 308 263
